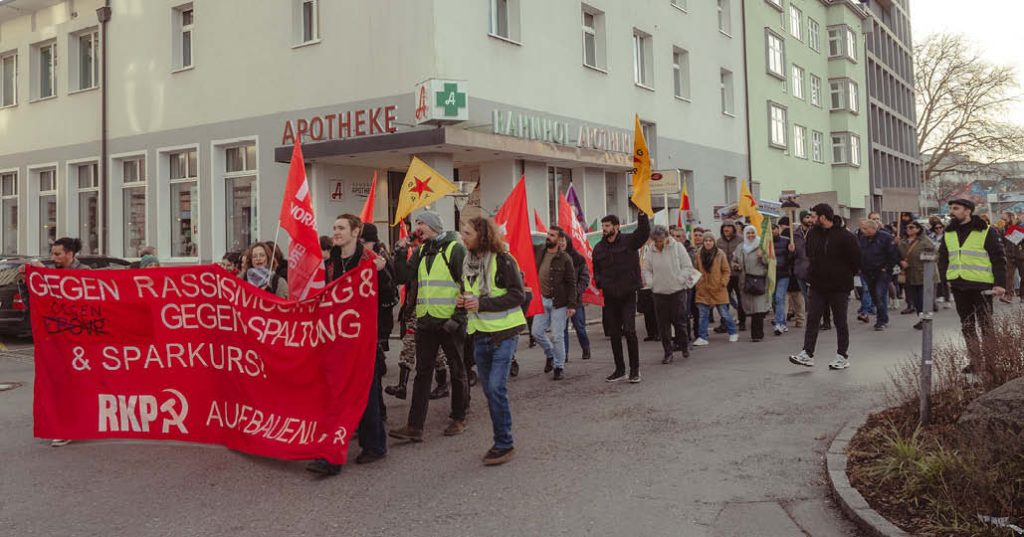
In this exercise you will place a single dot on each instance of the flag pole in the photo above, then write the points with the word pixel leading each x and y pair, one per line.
pixel 273 255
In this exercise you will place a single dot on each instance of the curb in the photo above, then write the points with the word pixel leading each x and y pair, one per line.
pixel 850 501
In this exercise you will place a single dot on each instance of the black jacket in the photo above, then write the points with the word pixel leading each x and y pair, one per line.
pixel 993 245
pixel 878 253
pixel 783 257
pixel 562 277
pixel 617 264
pixel 834 257
pixel 387 290
pixel 582 274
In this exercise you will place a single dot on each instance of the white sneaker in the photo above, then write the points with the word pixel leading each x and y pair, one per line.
pixel 700 342
pixel 734 338
pixel 841 362
pixel 803 359
pixel 784 328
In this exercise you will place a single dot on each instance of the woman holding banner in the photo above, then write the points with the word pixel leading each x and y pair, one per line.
pixel 257 270
pixel 492 294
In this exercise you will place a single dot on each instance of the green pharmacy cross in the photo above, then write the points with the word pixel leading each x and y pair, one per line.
pixel 451 99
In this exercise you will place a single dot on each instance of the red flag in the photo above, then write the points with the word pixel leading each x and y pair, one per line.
pixel 367 214
pixel 568 221
pixel 305 261
pixel 538 223
pixel 514 221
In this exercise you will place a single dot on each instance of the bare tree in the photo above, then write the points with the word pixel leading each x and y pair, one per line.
pixel 961 104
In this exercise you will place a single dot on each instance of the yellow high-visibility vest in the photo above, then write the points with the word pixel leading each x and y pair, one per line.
pixel 436 293
pixel 492 321
pixel 969 261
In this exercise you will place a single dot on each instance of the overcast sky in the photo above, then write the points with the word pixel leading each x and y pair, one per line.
pixel 994 26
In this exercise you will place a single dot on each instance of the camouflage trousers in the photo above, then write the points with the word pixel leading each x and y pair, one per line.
pixel 407 358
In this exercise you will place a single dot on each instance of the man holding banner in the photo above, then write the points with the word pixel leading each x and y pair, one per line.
pixel 436 268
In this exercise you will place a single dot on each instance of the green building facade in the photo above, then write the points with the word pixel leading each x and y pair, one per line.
pixel 807 98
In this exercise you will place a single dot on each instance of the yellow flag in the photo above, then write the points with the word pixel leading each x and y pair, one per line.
pixel 747 206
pixel 641 171
pixel 422 186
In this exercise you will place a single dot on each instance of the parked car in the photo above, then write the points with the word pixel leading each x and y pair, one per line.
pixel 14 307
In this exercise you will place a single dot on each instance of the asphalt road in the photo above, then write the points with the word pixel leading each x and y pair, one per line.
pixel 728 442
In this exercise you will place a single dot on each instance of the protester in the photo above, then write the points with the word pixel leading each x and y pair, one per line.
pixel 1013 246
pixel 834 256
pixel 579 320
pixel 750 264
pixel 347 253
pixel 232 262
pixel 728 242
pixel 386 301
pixel 911 250
pixel 279 264
pixel 617 274
pixel 492 294
pixel 666 270
pixel 149 261
pixel 905 219
pixel 713 289
pixel 878 257
pixel 257 270
pixel 795 303
pixel 937 232
pixel 802 265
pixel 437 270
pixel 557 279
pixel 972 258
pixel 784 256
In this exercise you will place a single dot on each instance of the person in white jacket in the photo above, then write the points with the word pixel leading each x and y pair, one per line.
pixel 668 271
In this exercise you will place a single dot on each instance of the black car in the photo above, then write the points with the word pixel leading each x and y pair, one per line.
pixel 14 318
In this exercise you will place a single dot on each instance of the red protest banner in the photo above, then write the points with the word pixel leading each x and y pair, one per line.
pixel 570 222
pixel 196 354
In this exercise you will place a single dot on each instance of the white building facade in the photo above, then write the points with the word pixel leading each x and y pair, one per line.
pixel 204 98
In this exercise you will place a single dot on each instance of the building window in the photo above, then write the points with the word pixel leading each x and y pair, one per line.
pixel 8 79
pixel 133 175
pixel 89 207
pixel 240 183
pixel 184 179
pixel 559 180
pixel 184 26
pixel 844 94
pixel 838 149
pixel 681 4
pixel 85 70
pixel 650 131
pixel 798 82
pixel 796 22
pixel 842 42
pixel 777 120
pixel 310 20
pixel 642 59
pixel 817 149
pixel 800 141
pixel 813 34
pixel 776 54
pixel 732 191
pixel 725 16
pixel 47 209
pixel 44 70
pixel 681 72
pixel 816 90
pixel 845 148
pixel 775 3
pixel 9 211
pixel 593 38
pixel 728 92
pixel 505 19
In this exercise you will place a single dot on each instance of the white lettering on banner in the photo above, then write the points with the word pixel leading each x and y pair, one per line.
pixel 186 356
pixel 302 216
pixel 72 287
pixel 134 413
pixel 255 422
pixel 296 252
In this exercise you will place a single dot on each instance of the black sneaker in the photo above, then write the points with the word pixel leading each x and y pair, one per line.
pixel 549 364
pixel 322 467
pixel 615 377
pixel 919 325
pixel 559 374
pixel 667 359
pixel 514 370
pixel 743 327
pixel 880 327
pixel 652 338
pixel 495 456
pixel 862 317
pixel 634 378
pixel 586 353
pixel 366 458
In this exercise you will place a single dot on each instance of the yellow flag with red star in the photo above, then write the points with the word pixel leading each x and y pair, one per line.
pixel 641 171
pixel 747 206
pixel 422 186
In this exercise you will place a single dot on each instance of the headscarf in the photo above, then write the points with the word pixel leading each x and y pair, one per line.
pixel 749 245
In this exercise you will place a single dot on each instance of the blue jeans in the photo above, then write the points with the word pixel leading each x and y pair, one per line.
pixel 493 361
pixel 877 283
pixel 579 321
pixel 867 305
pixel 723 311
pixel 555 319
pixel 779 304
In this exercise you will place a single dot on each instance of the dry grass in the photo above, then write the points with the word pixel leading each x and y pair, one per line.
pixel 936 480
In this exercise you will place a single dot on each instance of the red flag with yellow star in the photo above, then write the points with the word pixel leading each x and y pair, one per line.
pixel 422 186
